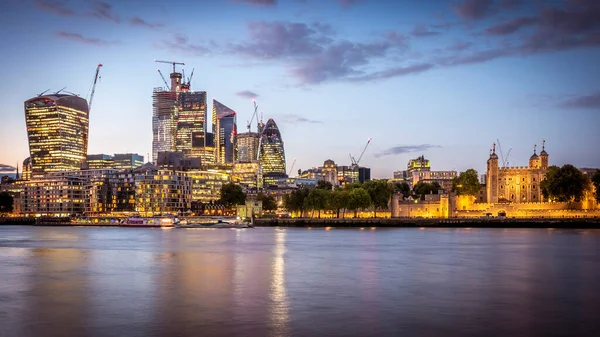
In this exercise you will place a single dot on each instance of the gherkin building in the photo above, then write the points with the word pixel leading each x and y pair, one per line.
pixel 272 155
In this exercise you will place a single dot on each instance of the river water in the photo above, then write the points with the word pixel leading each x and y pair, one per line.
pixel 75 281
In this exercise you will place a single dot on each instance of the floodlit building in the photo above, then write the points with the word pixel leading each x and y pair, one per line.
pixel 272 154
pixel 247 146
pixel 224 129
pixel 161 191
pixel 248 174
pixel 419 170
pixel 164 121
pixel 206 184
pixel 120 161
pixel 57 130
pixel 191 123
pixel 516 184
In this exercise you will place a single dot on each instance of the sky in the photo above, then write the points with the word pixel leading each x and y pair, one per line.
pixel 443 79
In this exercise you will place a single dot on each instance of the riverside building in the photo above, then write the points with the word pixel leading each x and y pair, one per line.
pixel 57 131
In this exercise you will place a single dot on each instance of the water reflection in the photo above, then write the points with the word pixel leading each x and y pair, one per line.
pixel 279 307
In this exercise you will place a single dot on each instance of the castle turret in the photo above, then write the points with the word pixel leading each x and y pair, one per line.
pixel 491 181
pixel 544 156
pixel 534 160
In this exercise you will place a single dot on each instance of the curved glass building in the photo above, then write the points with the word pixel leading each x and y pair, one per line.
pixel 57 130
pixel 272 155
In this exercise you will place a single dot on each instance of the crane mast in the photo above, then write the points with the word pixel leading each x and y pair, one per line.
pixel 164 79
pixel 249 126
pixel 94 87
pixel 356 162
pixel 292 167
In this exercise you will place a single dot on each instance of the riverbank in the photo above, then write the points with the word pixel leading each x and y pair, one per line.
pixel 579 223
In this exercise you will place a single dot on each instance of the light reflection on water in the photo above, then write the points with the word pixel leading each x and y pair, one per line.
pixel 279 282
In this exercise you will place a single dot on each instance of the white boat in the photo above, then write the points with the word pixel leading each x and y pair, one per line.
pixel 218 222
pixel 137 221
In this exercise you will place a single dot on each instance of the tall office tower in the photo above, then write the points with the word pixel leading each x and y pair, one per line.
pixel 191 123
pixel 247 146
pixel 164 121
pixel 57 130
pixel 225 130
pixel 272 155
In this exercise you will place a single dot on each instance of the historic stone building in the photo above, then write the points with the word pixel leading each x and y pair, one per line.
pixel 516 184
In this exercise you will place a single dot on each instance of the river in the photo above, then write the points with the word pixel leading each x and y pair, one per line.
pixel 76 281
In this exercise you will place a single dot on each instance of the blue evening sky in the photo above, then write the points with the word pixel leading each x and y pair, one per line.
pixel 440 78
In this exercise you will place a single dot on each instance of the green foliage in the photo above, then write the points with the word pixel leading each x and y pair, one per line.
pixel 317 200
pixel 564 184
pixel 358 198
pixel 231 195
pixel 467 183
pixel 379 193
pixel 422 188
pixel 596 183
pixel 294 202
pixel 324 185
pixel 6 202
pixel 338 199
pixel 403 188
pixel 268 202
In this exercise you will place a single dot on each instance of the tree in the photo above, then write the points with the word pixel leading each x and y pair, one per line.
pixel 317 200
pixel 467 183
pixel 6 202
pixel 338 199
pixel 324 185
pixel 421 189
pixel 268 202
pixel 231 195
pixel 564 184
pixel 596 183
pixel 379 192
pixel 358 198
pixel 294 202
pixel 403 188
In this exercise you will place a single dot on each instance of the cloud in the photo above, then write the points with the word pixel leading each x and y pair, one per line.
pixel 103 11
pixel 80 38
pixel 511 4
pixel 394 72
pixel 7 168
pixel 295 119
pixel 591 101
pixel 258 2
pixel 247 94
pixel 137 21
pixel 511 26
pixel 349 3
pixel 181 42
pixel 474 9
pixel 54 6
pixel 396 150
pixel 459 45
pixel 423 31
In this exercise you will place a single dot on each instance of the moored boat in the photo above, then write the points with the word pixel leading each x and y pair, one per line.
pixel 137 221
pixel 219 222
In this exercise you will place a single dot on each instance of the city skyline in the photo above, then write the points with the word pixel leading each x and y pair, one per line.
pixel 444 79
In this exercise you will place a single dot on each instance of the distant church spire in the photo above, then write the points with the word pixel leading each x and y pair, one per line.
pixel 543 145
pixel 17 175
pixel 494 149
pixel 534 148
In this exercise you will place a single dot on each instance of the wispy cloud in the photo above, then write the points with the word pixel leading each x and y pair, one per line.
pixel 422 30
pixel 401 149
pixel 181 42
pixel 137 21
pixel 258 2
pixel 296 119
pixel 349 3
pixel 103 11
pixel 591 101
pixel 247 94
pixel 7 168
pixel 82 39
pixel 474 9
pixel 54 6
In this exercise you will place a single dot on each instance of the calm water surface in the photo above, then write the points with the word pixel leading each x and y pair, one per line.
pixel 69 281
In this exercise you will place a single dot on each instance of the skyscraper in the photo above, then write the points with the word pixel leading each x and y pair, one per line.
pixel 225 130
pixel 247 146
pixel 57 130
pixel 164 121
pixel 191 123
pixel 272 155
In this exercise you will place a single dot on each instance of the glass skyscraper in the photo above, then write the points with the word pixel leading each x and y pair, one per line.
pixel 272 155
pixel 191 123
pixel 224 130
pixel 57 130
pixel 164 121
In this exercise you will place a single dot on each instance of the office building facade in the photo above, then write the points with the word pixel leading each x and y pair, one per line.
pixel 225 131
pixel 272 154
pixel 57 131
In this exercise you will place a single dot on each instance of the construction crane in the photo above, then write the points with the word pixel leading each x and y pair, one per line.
pixel 504 159
pixel 94 87
pixel 164 79
pixel 355 162
pixel 292 168
pixel 249 125
pixel 170 62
